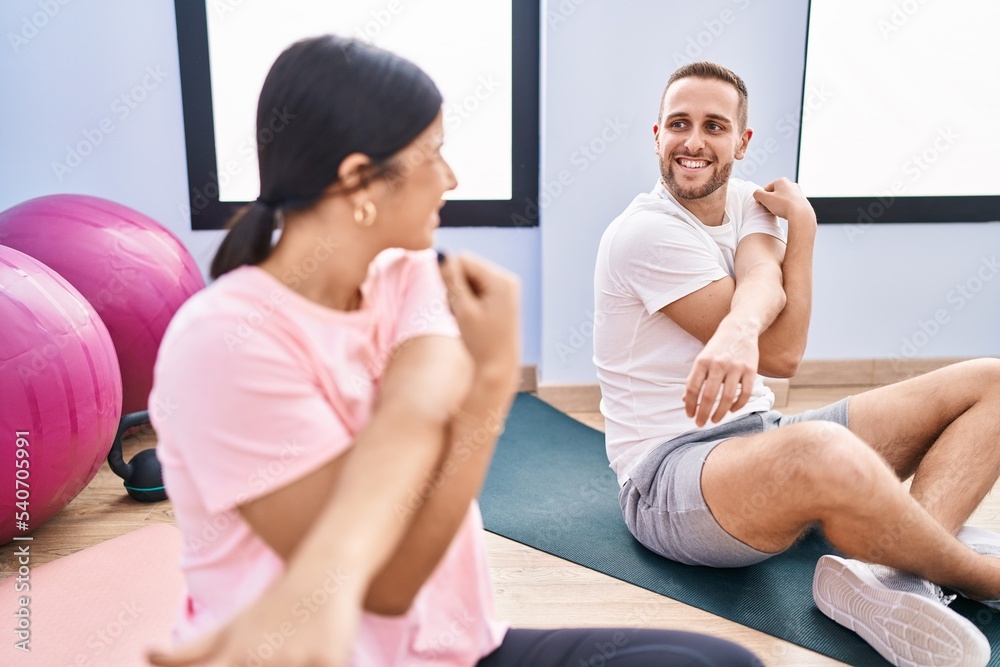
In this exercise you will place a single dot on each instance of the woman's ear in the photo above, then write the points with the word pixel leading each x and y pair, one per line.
pixel 352 167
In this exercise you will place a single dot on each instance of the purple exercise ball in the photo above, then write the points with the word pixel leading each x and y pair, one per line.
pixel 60 393
pixel 133 271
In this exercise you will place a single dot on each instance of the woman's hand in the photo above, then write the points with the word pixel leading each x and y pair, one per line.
pixel 485 300
pixel 296 623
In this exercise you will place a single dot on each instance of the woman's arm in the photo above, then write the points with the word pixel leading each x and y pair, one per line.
pixel 424 384
pixel 485 303
pixel 358 529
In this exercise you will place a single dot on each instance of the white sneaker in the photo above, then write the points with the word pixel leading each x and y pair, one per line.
pixel 903 617
pixel 985 542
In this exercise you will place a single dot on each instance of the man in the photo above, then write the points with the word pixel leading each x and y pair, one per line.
pixel 696 291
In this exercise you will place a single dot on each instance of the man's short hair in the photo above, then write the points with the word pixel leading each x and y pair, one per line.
pixel 707 70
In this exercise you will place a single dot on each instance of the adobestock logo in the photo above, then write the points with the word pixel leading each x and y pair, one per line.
pixel 582 158
pixel 812 100
pixel 703 39
pixel 919 163
pixel 380 20
pixel 899 16
pixel 201 197
pixel 456 112
pixel 560 13
pixel 958 297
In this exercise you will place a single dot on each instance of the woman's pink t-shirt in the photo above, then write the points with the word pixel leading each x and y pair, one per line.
pixel 254 388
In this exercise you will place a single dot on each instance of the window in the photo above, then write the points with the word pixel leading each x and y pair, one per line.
pixel 483 56
pixel 899 105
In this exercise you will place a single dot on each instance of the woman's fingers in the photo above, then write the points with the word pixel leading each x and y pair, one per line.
pixel 453 275
pixel 197 652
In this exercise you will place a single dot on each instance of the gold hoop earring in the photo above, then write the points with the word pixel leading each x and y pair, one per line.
pixel 365 214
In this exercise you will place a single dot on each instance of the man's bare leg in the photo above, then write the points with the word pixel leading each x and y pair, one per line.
pixel 944 429
pixel 766 489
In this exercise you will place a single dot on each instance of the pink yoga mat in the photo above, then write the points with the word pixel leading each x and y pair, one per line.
pixel 100 607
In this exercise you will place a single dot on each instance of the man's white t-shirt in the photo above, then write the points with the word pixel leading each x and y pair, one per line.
pixel 654 253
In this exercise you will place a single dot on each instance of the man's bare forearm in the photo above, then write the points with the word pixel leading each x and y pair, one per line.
pixel 787 335
pixel 757 301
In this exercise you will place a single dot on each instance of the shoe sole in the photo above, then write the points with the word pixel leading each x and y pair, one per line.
pixel 906 629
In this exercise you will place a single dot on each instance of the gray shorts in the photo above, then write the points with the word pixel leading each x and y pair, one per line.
pixel 662 501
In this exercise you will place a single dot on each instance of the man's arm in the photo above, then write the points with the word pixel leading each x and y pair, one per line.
pixel 700 313
pixel 728 316
pixel 732 317
pixel 786 338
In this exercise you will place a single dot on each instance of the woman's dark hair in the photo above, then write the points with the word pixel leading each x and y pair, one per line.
pixel 323 99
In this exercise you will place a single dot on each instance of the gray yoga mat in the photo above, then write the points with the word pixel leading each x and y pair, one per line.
pixel 550 487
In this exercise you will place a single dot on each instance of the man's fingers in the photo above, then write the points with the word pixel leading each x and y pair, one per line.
pixel 746 389
pixel 708 397
pixel 693 387
pixel 729 389
pixel 764 198
pixel 767 194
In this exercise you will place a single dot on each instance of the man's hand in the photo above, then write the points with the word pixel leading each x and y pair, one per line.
pixel 784 199
pixel 728 364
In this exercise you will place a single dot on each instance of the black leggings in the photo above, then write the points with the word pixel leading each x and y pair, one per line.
pixel 616 647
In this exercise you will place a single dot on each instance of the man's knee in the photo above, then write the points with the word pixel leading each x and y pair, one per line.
pixel 967 381
pixel 828 461
pixel 807 465
pixel 986 371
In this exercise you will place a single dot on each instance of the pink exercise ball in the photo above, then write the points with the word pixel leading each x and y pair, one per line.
pixel 61 393
pixel 133 271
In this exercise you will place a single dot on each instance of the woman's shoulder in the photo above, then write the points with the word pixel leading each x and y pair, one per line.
pixel 397 262
pixel 238 300
pixel 395 273
pixel 221 297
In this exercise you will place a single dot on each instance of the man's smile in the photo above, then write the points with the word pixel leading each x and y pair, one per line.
pixel 691 165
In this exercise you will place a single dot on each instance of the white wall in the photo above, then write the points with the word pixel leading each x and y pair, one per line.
pixel 877 287
pixel 604 66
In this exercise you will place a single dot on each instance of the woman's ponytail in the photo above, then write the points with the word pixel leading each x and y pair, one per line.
pixel 248 240
pixel 323 99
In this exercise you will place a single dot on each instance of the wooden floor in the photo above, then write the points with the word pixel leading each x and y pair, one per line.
pixel 533 589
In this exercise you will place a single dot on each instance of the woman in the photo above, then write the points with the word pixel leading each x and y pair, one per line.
pixel 333 401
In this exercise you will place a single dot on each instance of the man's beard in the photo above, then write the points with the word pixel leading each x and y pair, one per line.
pixel 693 191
